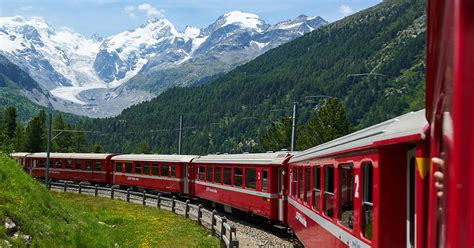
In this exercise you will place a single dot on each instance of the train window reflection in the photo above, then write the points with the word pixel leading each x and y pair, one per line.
pixel 300 183
pixel 316 188
pixel 307 184
pixel 238 177
pixel 228 176
pixel 138 168
pixel 264 180
pixel 202 170
pixel 367 203
pixel 346 195
pixel 329 190
pixel 218 174
pixel 154 169
pixel 146 169
pixel 209 174
pixel 118 167
pixel 128 168
pixel 251 178
pixel 173 171
pixel 165 171
pixel 78 164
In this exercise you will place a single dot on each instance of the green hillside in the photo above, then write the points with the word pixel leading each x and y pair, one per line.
pixel 69 220
pixel 16 87
pixel 373 61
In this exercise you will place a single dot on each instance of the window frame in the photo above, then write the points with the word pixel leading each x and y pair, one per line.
pixel 247 177
pixel 128 165
pixel 326 192
pixel 230 176
pixel 241 177
pixel 218 168
pixel 121 167
pixel 339 203
pixel 98 162
pixel 316 188
pixel 265 178
pixel 157 167
pixel 209 173
pixel 364 201
pixel 165 168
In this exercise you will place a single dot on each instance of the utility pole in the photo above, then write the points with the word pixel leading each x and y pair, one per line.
pixel 48 151
pixel 180 133
pixel 293 128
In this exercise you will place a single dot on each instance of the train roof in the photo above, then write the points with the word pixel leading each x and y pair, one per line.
pixel 405 128
pixel 71 155
pixel 19 154
pixel 246 158
pixel 155 158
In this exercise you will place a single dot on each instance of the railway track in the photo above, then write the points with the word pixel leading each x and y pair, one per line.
pixel 251 232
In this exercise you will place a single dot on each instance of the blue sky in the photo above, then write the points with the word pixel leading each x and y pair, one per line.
pixel 108 17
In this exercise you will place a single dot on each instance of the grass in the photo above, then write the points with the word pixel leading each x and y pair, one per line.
pixel 70 220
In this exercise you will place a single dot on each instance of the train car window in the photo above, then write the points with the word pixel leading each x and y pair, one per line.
pixel 329 190
pixel 138 168
pixel 78 164
pixel 154 169
pixel 59 164
pixel 238 174
pixel 68 164
pixel 300 183
pixel 228 176
pixel 165 170
pixel 202 171
pixel 346 195
pixel 251 178
pixel 146 169
pixel 118 167
pixel 51 163
pixel 317 188
pixel 293 181
pixel 128 168
pixel 173 170
pixel 88 165
pixel 264 180
pixel 218 174
pixel 209 174
pixel 98 165
pixel 42 163
pixel 307 185
pixel 367 202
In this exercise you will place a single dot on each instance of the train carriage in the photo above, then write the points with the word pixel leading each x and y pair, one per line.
pixel 167 173
pixel 359 190
pixel 248 182
pixel 82 167
pixel 20 158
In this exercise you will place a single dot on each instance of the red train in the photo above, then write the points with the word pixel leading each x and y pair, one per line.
pixel 373 188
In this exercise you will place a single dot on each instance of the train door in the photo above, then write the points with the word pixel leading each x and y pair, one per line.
pixel 186 178
pixel 281 195
pixel 411 198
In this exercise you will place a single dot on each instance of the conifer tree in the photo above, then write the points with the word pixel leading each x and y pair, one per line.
pixel 36 133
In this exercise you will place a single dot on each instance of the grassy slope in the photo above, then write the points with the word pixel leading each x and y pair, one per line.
pixel 68 220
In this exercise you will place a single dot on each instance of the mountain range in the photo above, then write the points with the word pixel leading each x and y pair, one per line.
pixel 100 77
pixel 372 61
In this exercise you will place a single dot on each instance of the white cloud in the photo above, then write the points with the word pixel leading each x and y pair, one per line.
pixel 65 28
pixel 129 10
pixel 345 10
pixel 26 8
pixel 146 8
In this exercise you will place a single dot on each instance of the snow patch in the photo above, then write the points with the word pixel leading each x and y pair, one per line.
pixel 246 20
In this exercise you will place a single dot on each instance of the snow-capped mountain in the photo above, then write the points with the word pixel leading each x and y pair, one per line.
pixel 135 65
